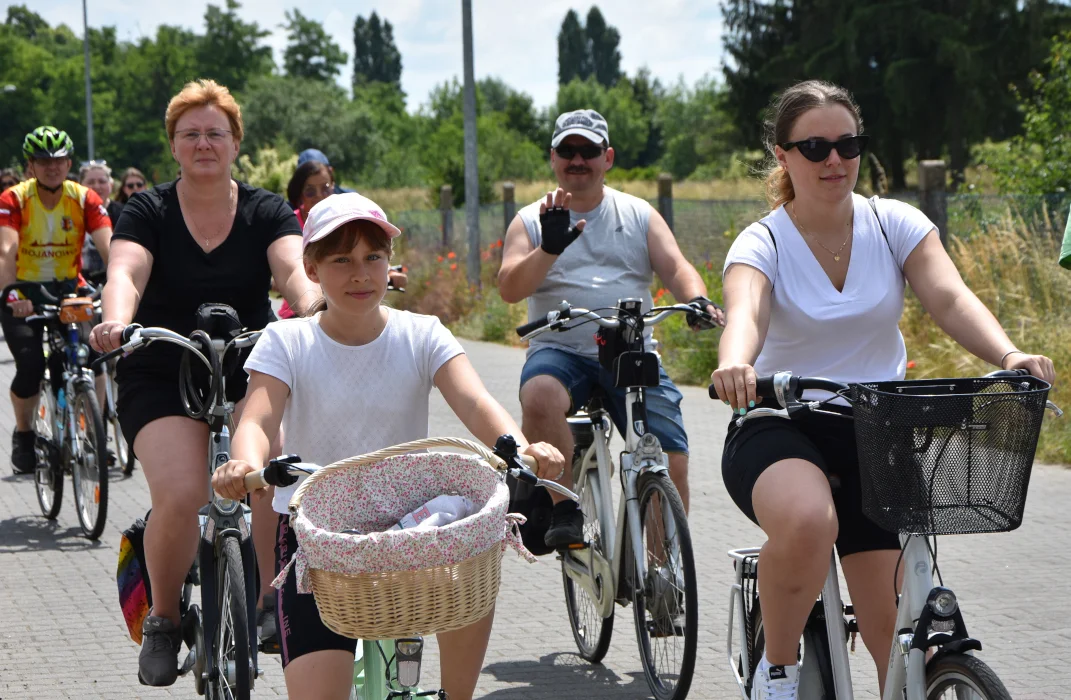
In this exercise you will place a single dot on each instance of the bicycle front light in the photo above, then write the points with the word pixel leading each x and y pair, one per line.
pixel 943 602
pixel 407 653
pixel 82 355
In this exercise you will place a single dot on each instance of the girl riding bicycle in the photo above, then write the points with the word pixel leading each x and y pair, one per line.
pixel 353 378
pixel 817 286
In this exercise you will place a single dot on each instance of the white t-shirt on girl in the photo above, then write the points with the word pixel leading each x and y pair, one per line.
pixel 815 331
pixel 349 400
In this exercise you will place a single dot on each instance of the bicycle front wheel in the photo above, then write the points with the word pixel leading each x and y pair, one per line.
pixel 958 676
pixel 590 629
pixel 124 456
pixel 231 645
pixel 665 601
pixel 89 463
pixel 48 475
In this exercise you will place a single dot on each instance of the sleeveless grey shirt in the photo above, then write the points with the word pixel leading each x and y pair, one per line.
pixel 609 261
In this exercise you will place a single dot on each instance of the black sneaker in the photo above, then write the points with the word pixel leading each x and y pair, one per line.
pixel 566 526
pixel 267 628
pixel 161 640
pixel 23 459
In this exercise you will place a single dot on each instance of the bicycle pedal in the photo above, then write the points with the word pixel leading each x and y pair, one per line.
pixel 578 545
pixel 188 662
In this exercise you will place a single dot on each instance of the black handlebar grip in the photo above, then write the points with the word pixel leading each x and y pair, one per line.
pixel 712 392
pixel 533 326
pixel 128 332
pixel 764 387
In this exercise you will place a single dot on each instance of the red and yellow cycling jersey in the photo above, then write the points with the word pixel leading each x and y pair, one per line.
pixel 50 240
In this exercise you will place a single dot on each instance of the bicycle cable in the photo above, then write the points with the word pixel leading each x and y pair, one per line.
pixel 933 553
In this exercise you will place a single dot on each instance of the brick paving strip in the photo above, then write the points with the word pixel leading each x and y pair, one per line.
pixel 62 634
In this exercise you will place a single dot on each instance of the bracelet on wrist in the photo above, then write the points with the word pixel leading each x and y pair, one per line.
pixel 1010 352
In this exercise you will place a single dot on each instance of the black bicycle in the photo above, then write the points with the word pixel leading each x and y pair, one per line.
pixel 67 422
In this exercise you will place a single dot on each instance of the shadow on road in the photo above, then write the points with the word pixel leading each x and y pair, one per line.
pixel 557 675
pixel 32 533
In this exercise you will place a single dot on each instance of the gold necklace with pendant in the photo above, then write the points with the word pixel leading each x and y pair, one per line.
pixel 837 252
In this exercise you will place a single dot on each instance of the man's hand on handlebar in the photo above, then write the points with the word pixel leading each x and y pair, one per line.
pixel 20 308
pixel 715 315
pixel 397 278
pixel 735 385
pixel 107 336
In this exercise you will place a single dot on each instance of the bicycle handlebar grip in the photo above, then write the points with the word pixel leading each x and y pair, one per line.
pixel 764 387
pixel 712 392
pixel 533 326
pixel 1008 373
pixel 255 480
pixel 128 332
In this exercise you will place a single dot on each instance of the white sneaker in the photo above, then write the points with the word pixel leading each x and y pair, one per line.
pixel 775 682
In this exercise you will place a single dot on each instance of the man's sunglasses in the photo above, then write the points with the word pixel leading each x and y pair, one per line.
pixel 817 150
pixel 587 151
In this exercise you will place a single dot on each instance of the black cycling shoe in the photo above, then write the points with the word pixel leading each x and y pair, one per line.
pixel 23 458
pixel 161 640
pixel 267 627
pixel 566 526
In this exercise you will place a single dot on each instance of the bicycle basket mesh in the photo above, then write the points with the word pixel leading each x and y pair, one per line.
pixel 947 456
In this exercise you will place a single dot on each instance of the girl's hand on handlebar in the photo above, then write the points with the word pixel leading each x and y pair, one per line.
pixel 550 464
pixel 1038 365
pixel 735 385
pixel 107 336
pixel 21 308
pixel 229 480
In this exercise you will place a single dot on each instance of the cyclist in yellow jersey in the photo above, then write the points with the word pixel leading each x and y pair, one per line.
pixel 43 224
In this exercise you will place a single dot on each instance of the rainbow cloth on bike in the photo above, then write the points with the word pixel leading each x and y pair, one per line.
pixel 132 576
pixel 50 240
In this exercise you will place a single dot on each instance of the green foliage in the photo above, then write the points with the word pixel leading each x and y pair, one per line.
pixel 1039 160
pixel 588 50
pixel 270 170
pixel 697 129
pixel 230 52
pixel 310 52
pixel 574 58
pixel 376 58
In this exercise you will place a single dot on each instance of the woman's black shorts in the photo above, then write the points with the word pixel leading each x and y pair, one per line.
pixel 825 441
pixel 301 629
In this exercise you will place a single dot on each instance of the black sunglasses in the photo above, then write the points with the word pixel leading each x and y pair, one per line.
pixel 586 151
pixel 817 150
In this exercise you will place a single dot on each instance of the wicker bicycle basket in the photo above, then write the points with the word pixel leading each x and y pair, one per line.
pixel 947 456
pixel 377 583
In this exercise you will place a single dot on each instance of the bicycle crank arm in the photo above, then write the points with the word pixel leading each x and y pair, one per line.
pixel 592 571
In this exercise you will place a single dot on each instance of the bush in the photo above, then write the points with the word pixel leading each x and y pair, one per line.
pixel 269 171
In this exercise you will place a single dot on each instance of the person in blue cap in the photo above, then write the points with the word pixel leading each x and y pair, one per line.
pixel 318 156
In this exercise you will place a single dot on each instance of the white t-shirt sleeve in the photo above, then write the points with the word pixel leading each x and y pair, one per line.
pixel 441 347
pixel 905 227
pixel 755 247
pixel 272 354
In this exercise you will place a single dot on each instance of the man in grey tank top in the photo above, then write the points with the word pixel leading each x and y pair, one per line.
pixel 591 246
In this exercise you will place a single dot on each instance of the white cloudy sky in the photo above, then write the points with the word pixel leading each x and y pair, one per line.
pixel 515 40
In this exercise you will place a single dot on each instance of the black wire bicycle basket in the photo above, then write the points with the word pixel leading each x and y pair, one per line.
pixel 947 456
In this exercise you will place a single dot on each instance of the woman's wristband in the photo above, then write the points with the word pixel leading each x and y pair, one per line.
pixel 1010 352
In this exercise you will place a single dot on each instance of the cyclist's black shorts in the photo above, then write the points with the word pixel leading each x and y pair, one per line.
pixel 301 631
pixel 825 441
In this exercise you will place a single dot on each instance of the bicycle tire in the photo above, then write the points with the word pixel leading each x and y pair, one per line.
pixel 231 645
pixel 956 671
pixel 89 462
pixel 592 642
pixel 48 476
pixel 815 661
pixel 684 593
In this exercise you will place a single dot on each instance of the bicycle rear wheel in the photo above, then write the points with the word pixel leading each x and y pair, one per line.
pixel 48 476
pixel 89 462
pixel 957 676
pixel 665 604
pixel 590 629
pixel 813 658
pixel 231 645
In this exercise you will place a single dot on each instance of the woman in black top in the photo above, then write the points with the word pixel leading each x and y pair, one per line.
pixel 203 238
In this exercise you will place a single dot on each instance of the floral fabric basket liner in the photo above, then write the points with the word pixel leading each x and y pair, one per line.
pixel 371 493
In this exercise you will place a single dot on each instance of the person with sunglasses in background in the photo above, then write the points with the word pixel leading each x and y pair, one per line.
pixel 132 182
pixel 9 177
pixel 97 176
pixel 817 286
pixel 591 245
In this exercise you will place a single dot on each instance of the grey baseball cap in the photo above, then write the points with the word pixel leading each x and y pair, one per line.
pixel 582 122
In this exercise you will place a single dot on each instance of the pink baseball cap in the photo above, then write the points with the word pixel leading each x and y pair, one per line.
pixel 338 209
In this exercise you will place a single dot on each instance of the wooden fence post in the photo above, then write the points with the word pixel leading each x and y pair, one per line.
pixel 933 195
pixel 665 198
pixel 509 205
pixel 446 207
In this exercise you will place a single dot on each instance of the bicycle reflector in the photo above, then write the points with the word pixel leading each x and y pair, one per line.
pixel 407 654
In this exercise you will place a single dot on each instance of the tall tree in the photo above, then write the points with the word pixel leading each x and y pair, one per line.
pixel 310 52
pixel 231 51
pixel 574 54
pixel 602 43
pixel 376 58
pixel 25 22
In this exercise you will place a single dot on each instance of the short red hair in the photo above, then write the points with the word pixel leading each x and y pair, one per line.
pixel 204 93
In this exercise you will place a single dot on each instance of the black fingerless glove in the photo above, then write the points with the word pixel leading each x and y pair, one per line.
pixel 557 235
pixel 699 320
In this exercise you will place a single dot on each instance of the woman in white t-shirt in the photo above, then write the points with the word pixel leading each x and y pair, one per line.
pixel 351 379
pixel 817 287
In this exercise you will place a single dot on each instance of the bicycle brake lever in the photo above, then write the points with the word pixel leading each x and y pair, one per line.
pixel 1054 408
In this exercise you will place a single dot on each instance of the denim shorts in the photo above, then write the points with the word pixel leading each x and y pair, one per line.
pixel 580 375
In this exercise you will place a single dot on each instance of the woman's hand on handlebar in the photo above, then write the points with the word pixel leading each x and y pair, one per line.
pixel 1038 365
pixel 21 308
pixel 735 385
pixel 550 464
pixel 107 336
pixel 229 480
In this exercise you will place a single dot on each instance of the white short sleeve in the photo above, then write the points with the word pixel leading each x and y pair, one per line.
pixel 441 347
pixel 904 225
pixel 272 355
pixel 755 247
